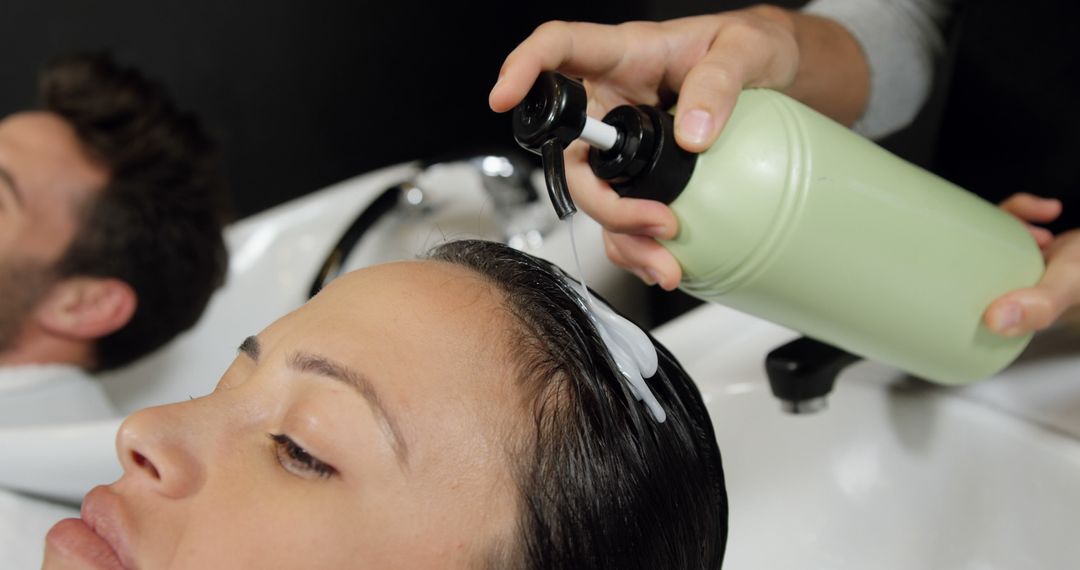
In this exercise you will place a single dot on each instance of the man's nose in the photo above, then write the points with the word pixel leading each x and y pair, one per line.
pixel 159 450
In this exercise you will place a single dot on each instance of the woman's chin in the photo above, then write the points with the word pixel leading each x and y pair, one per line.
pixel 72 544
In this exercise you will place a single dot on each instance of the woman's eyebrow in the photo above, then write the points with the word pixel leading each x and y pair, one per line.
pixel 9 181
pixel 322 366
pixel 250 347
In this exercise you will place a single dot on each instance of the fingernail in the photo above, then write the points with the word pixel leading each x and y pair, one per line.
pixel 1008 317
pixel 656 231
pixel 654 276
pixel 647 275
pixel 696 125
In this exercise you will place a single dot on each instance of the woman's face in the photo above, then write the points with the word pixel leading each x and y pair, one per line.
pixel 367 429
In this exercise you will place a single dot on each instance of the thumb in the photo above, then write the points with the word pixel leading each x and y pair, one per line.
pixel 1037 307
pixel 706 99
pixel 1023 311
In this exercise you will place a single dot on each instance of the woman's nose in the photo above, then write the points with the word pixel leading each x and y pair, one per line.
pixel 158 450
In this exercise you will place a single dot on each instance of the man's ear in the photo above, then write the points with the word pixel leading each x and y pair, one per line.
pixel 87 308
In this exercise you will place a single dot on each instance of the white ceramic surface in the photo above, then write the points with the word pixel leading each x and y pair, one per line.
pixel 896 473
pixel 23 524
pixel 275 256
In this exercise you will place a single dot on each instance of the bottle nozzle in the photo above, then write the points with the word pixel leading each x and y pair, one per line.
pixel 599 134
pixel 551 117
pixel 555 177
pixel 634 148
pixel 553 109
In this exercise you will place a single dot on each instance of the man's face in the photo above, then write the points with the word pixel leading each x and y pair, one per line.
pixel 45 176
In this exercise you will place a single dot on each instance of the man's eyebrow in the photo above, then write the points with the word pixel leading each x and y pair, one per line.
pixel 322 366
pixel 9 180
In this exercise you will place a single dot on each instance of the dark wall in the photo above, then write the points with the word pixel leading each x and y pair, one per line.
pixel 304 94
pixel 301 94
pixel 1012 119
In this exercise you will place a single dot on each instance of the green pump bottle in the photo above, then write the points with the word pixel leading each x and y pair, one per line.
pixel 793 218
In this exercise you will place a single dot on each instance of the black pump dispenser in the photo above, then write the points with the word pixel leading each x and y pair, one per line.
pixel 642 162
pixel 551 117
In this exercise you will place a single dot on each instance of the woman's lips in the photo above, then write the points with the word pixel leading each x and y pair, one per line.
pixel 97 538
pixel 72 539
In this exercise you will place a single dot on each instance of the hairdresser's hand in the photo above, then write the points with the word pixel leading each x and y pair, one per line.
pixel 1036 308
pixel 707 60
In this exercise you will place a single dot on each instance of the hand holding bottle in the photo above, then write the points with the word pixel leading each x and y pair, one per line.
pixel 794 218
pixel 1035 308
pixel 707 61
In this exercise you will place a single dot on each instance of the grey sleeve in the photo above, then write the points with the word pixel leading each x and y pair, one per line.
pixel 902 41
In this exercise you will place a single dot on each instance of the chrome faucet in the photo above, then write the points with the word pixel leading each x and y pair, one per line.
pixel 523 218
pixel 506 178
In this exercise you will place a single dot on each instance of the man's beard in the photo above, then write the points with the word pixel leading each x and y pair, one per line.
pixel 23 284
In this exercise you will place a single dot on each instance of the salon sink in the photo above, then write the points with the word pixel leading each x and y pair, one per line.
pixel 275 256
pixel 895 473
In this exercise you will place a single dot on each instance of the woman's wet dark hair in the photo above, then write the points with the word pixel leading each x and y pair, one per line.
pixel 601 483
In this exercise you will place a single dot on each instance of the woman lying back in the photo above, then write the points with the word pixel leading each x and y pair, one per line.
pixel 455 412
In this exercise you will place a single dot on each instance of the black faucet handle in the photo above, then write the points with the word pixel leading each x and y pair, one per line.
pixel 802 372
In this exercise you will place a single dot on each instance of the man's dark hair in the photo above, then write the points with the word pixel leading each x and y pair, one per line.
pixel 601 483
pixel 158 223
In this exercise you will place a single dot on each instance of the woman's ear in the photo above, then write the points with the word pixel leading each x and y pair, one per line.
pixel 87 308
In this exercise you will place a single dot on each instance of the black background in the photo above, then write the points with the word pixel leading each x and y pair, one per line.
pixel 305 94
pixel 1012 119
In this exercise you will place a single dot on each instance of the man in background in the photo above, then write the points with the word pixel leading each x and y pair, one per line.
pixel 112 204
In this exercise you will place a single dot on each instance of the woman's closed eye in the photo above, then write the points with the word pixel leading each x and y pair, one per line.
pixel 298 461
